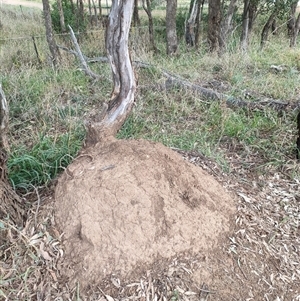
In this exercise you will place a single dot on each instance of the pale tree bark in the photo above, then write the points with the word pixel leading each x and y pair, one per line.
pixel 114 114
pixel 198 20
pixel 147 9
pixel 226 24
pixel 295 32
pixel 214 21
pixel 61 16
pixel 249 16
pixel 190 24
pixel 80 56
pixel 11 206
pixel 49 33
pixel 172 43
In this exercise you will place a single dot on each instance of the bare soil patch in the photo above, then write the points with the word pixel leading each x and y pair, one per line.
pixel 128 207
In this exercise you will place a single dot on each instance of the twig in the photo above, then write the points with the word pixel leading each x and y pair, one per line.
pixel 80 56
pixel 38 205
pixel 67 49
pixel 4 112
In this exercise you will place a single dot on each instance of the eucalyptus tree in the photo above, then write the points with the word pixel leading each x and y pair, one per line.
pixel 61 16
pixel 172 43
pixel 116 110
pixel 214 22
pixel 49 33
pixel 279 9
pixel 148 10
pixel 192 24
pixel 293 23
pixel 227 23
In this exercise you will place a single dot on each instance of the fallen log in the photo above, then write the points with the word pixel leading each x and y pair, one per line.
pixel 232 102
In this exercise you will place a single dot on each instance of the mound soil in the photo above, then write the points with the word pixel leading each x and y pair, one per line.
pixel 126 204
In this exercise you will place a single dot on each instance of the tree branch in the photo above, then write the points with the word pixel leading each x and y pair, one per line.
pixel 80 56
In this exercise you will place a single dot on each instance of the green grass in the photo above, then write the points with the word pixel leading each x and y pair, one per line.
pixel 37 166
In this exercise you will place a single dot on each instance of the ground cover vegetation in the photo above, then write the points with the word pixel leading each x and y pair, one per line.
pixel 49 106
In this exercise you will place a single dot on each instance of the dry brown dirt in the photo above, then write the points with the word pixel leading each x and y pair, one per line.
pixel 128 207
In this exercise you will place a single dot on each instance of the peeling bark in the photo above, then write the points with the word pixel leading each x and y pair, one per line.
pixel 190 36
pixel 114 114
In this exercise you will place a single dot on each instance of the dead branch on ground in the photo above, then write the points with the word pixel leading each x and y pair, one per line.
pixel 80 56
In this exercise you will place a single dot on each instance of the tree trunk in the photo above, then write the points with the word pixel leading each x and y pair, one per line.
pixel 72 6
pixel 95 13
pixel 11 206
pixel 114 114
pixel 190 25
pixel 61 16
pixel 79 13
pixel 81 10
pixel 147 9
pixel 214 21
pixel 252 14
pixel 49 33
pixel 198 20
pixel 245 26
pixel 295 33
pixel 172 44
pixel 274 27
pixel 91 17
pixel 226 25
pixel 100 10
pixel 136 18
pixel 292 19
pixel 265 31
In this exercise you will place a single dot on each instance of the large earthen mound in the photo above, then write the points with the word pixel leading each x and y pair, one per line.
pixel 124 204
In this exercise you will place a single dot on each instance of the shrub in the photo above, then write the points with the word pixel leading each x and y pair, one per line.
pixel 72 17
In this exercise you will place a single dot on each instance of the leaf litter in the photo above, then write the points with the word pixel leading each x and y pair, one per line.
pixel 265 250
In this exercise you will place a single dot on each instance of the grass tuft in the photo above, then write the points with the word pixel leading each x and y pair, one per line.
pixel 39 165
